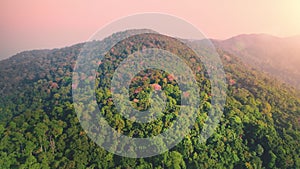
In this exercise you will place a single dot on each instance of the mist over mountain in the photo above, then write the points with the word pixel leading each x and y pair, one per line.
pixel 280 57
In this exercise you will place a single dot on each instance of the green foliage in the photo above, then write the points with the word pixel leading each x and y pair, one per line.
pixel 40 129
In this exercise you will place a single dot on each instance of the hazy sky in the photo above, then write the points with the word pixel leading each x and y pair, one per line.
pixel 36 24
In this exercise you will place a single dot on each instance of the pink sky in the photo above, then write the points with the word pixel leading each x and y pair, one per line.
pixel 36 24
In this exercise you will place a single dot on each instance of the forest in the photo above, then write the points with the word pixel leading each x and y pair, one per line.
pixel 39 128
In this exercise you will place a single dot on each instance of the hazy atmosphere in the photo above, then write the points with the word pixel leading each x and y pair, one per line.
pixel 149 84
pixel 32 24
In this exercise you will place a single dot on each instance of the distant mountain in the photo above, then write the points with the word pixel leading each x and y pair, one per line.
pixel 280 57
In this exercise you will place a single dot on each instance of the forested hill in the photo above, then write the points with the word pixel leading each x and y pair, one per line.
pixel 40 129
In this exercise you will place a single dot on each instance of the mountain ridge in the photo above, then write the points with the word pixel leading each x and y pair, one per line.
pixel 276 56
